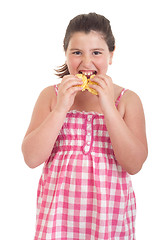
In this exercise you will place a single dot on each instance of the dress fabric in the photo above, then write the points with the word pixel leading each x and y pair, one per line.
pixel 83 192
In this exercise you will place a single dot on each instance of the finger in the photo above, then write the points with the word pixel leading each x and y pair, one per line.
pixel 70 82
pixel 102 80
pixel 107 79
pixel 96 87
pixel 67 78
pixel 99 80
pixel 74 90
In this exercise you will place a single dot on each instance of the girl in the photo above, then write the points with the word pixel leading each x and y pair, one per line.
pixel 90 143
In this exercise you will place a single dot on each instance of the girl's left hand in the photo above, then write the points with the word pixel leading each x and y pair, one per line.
pixel 105 89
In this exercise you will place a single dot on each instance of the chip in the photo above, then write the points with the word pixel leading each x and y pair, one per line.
pixel 87 82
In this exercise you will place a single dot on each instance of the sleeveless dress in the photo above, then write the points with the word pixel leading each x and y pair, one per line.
pixel 83 192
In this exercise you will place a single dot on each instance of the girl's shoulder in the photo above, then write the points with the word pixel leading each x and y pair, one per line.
pixel 43 107
pixel 47 97
pixel 127 93
pixel 49 90
pixel 129 100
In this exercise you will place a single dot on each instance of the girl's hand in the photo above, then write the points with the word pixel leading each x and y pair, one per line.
pixel 67 91
pixel 105 91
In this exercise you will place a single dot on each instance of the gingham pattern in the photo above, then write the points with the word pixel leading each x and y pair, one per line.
pixel 83 192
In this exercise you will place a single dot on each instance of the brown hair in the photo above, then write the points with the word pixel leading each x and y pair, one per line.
pixel 85 23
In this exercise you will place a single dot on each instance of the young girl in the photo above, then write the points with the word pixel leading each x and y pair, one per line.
pixel 90 143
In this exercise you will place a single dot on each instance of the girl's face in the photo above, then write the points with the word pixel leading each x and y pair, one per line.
pixel 88 54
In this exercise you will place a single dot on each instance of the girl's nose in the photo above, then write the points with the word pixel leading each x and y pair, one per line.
pixel 87 61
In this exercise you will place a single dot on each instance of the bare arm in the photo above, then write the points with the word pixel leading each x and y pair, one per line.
pixel 47 119
pixel 43 130
pixel 128 134
pixel 126 125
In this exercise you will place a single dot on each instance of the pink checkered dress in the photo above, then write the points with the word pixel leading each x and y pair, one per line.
pixel 83 192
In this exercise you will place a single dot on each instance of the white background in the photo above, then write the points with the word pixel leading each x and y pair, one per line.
pixel 31 39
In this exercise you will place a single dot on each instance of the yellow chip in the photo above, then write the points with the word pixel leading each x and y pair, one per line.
pixel 93 91
pixel 84 79
pixel 86 83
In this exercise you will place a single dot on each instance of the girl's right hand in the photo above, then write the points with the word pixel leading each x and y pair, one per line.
pixel 66 92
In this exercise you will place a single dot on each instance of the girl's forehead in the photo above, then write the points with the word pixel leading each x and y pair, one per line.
pixel 92 37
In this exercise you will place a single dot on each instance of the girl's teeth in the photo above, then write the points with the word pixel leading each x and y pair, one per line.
pixel 88 74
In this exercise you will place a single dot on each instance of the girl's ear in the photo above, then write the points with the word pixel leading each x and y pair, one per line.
pixel 111 57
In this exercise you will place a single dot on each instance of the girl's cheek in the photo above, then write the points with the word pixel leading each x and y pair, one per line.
pixel 73 65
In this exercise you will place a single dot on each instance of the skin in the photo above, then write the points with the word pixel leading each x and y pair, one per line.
pixel 125 124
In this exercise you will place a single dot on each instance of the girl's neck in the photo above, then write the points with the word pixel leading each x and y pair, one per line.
pixel 85 101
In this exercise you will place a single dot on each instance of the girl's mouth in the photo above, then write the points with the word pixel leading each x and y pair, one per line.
pixel 88 73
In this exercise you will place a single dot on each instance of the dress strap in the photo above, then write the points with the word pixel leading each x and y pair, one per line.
pixel 56 88
pixel 121 94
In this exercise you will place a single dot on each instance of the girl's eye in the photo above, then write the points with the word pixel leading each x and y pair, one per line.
pixel 97 53
pixel 77 53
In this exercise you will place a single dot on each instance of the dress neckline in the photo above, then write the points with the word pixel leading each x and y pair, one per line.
pixel 74 111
